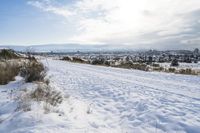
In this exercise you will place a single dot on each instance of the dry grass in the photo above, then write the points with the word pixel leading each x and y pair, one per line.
pixel 187 71
pixel 138 66
pixel 48 94
pixel 8 71
pixel 159 69
pixel 33 71
pixel 78 60
pixel 43 93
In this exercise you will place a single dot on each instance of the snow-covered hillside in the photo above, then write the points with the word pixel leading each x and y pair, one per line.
pixel 130 101
pixel 109 100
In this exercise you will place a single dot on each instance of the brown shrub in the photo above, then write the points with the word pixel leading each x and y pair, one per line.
pixel 172 70
pixel 78 60
pixel 138 66
pixel 66 58
pixel 8 71
pixel 158 68
pixel 187 71
pixel 48 94
pixel 127 65
pixel 8 54
pixel 33 71
pixel 44 93
pixel 155 65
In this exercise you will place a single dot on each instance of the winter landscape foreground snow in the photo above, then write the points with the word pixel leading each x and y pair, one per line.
pixel 106 100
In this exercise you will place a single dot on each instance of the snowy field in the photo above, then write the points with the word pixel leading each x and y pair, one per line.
pixel 109 100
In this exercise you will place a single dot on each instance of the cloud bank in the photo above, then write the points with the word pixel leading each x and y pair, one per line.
pixel 140 23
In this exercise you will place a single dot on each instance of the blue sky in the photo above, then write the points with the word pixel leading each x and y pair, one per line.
pixel 140 23
pixel 21 23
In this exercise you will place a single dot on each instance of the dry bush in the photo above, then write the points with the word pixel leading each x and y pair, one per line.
pixel 138 66
pixel 78 60
pixel 97 62
pixel 187 71
pixel 155 65
pixel 8 71
pixel 158 69
pixel 66 58
pixel 171 70
pixel 33 71
pixel 8 54
pixel 43 93
pixel 125 65
pixel 48 94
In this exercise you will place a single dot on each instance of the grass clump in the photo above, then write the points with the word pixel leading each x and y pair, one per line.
pixel 8 71
pixel 48 94
pixel 9 66
pixel 43 94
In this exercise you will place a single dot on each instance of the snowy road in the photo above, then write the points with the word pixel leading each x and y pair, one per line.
pixel 132 101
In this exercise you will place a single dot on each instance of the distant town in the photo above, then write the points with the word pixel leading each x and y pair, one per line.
pixel 184 56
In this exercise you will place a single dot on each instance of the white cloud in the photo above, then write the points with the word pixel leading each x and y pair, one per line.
pixel 124 21
pixel 47 6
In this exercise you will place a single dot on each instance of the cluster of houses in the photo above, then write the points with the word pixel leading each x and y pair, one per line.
pixel 147 57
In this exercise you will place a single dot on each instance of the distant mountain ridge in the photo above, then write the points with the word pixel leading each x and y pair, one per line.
pixel 67 48
pixel 62 48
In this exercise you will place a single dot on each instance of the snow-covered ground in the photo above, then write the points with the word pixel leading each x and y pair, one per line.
pixel 129 100
pixel 109 100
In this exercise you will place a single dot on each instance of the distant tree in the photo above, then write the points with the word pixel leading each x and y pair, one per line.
pixel 98 61
pixel 188 60
pixel 107 63
pixel 150 60
pixel 174 62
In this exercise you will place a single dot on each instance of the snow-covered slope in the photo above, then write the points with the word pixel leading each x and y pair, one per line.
pixel 128 100
pixel 107 100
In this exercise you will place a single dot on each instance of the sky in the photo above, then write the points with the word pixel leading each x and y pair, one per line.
pixel 165 24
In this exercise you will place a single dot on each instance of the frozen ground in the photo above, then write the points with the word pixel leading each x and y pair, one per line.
pixel 109 100
pixel 132 101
